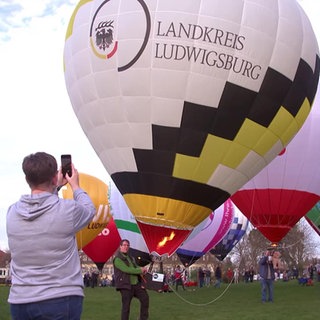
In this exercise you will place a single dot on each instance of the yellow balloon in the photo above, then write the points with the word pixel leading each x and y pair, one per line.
pixel 98 192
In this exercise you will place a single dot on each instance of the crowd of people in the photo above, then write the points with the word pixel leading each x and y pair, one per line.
pixel 206 276
pixel 269 267
pixel 90 279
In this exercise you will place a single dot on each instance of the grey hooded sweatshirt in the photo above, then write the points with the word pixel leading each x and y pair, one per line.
pixel 41 232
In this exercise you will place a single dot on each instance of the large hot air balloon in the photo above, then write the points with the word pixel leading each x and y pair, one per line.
pixel 185 100
pixel 217 225
pixel 127 227
pixel 236 232
pixel 98 192
pixel 283 192
pixel 313 218
pixel 103 246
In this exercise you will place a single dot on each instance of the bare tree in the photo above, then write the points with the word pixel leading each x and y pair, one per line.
pixel 247 252
pixel 297 248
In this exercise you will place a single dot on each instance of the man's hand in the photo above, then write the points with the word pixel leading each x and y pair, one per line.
pixel 144 270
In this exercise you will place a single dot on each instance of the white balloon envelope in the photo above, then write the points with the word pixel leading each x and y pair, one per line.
pixel 185 100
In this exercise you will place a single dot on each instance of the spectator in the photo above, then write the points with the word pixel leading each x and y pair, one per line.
pixel 246 276
pixel 285 276
pixel 94 278
pixel 218 276
pixel 201 277
pixel 251 274
pixel 207 277
pixel 128 281
pixel 47 281
pixel 104 282
pixel 317 266
pixel 310 271
pixel 267 277
pixel 295 273
pixel 230 275
pixel 236 275
pixel 86 279
pixel 178 277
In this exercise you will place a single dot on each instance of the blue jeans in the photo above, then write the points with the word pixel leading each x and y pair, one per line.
pixel 64 308
pixel 266 287
pixel 217 283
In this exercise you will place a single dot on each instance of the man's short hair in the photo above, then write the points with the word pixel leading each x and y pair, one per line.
pixel 39 168
pixel 124 240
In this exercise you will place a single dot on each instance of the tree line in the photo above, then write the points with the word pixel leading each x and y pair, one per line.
pixel 299 249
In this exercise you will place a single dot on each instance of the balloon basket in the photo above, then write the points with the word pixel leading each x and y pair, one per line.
pixel 154 280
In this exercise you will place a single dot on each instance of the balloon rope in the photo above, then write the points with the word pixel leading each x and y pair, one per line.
pixel 291 245
pixel 207 303
pixel 252 203
pixel 201 304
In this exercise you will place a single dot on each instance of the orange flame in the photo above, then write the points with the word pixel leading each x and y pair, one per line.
pixel 165 240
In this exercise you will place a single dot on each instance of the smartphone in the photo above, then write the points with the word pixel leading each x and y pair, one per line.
pixel 66 164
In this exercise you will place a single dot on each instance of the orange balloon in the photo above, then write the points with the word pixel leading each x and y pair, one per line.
pixel 98 192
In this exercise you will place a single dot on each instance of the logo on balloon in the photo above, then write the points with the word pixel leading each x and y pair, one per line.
pixel 103 39
pixel 170 43
pixel 102 30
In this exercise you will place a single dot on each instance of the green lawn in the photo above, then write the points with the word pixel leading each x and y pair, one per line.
pixel 238 301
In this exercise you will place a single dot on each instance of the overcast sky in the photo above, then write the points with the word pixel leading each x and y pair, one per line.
pixel 36 110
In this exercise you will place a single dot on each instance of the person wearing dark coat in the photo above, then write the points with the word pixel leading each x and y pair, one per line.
pixel 267 277
pixel 218 276
pixel 128 280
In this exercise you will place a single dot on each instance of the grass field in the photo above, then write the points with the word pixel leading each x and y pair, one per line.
pixel 238 301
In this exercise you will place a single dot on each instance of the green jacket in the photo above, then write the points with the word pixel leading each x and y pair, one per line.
pixel 126 272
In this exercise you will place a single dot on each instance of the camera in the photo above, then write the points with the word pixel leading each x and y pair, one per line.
pixel 66 164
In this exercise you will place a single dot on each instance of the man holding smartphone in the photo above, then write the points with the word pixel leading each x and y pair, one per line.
pixel 267 277
pixel 46 275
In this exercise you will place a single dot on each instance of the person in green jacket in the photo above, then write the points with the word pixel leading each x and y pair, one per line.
pixel 128 278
